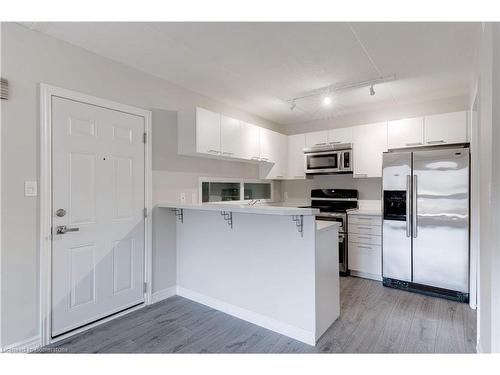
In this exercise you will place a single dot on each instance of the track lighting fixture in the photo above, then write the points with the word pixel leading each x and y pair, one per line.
pixel 293 105
pixel 372 91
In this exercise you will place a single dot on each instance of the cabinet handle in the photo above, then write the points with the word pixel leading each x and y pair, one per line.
pixel 435 142
pixel 255 158
pixel 264 159
pixel 279 176
pixel 364 227
pixel 364 247
pixel 414 144
pixel 228 153
pixel 334 143
pixel 214 151
pixel 320 144
pixel 365 237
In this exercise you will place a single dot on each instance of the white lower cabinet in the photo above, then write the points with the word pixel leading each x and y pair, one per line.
pixel 295 167
pixel 365 246
pixel 369 143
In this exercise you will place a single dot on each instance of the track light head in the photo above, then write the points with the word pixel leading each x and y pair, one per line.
pixel 372 91
pixel 293 105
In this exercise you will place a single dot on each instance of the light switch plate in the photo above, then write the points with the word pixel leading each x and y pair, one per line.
pixel 30 188
pixel 183 197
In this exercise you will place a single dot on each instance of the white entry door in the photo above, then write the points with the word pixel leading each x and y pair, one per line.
pixel 98 201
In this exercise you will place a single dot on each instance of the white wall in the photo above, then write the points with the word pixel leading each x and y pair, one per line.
pixel 368 188
pixel 487 77
pixel 29 58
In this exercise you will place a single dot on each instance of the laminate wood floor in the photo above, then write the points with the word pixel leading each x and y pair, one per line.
pixel 374 319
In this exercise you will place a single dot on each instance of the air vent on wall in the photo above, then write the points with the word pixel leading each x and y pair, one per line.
pixel 4 88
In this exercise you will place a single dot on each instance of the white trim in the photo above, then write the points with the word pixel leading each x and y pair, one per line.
pixel 24 346
pixel 1 127
pixel 474 224
pixel 296 333
pixel 96 324
pixel 160 295
pixel 46 93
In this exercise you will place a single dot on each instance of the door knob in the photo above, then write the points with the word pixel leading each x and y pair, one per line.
pixel 61 229
pixel 61 212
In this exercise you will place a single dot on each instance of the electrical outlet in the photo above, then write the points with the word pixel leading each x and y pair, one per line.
pixel 183 197
pixel 30 189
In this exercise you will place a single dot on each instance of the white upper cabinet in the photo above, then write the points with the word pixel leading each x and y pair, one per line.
pixel 295 167
pixel 250 141
pixel 405 133
pixel 276 166
pixel 341 135
pixel 230 137
pixel 207 132
pixel 446 128
pixel 317 138
pixel 266 145
pixel 369 143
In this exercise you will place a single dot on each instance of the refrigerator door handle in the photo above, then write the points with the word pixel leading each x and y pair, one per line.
pixel 408 202
pixel 414 206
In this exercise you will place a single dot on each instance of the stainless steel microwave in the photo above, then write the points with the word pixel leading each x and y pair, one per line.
pixel 329 159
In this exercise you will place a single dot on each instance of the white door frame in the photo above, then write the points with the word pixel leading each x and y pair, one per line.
pixel 46 94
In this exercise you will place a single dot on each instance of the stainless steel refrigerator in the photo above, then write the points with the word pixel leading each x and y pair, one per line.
pixel 426 221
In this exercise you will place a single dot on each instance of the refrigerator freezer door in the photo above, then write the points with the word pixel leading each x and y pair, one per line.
pixel 396 234
pixel 441 236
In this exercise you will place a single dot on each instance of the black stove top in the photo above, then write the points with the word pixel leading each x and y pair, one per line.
pixel 334 200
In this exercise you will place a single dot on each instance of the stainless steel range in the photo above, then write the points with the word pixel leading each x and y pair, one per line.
pixel 333 205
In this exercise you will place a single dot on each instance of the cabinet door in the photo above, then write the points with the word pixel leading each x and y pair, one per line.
pixel 342 135
pixel 405 133
pixel 317 138
pixel 250 141
pixel 369 143
pixel 207 132
pixel 230 137
pixel 296 145
pixel 275 169
pixel 446 128
pixel 266 148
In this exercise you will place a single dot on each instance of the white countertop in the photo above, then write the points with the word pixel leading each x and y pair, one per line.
pixel 260 209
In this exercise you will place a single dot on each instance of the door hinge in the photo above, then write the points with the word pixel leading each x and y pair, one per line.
pixel 144 137
pixel 145 287
pixel 145 212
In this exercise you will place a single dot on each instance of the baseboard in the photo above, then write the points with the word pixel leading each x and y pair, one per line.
pixel 250 316
pixel 25 346
pixel 365 275
pixel 160 295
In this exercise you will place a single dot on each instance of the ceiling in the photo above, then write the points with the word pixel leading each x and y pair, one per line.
pixel 258 66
